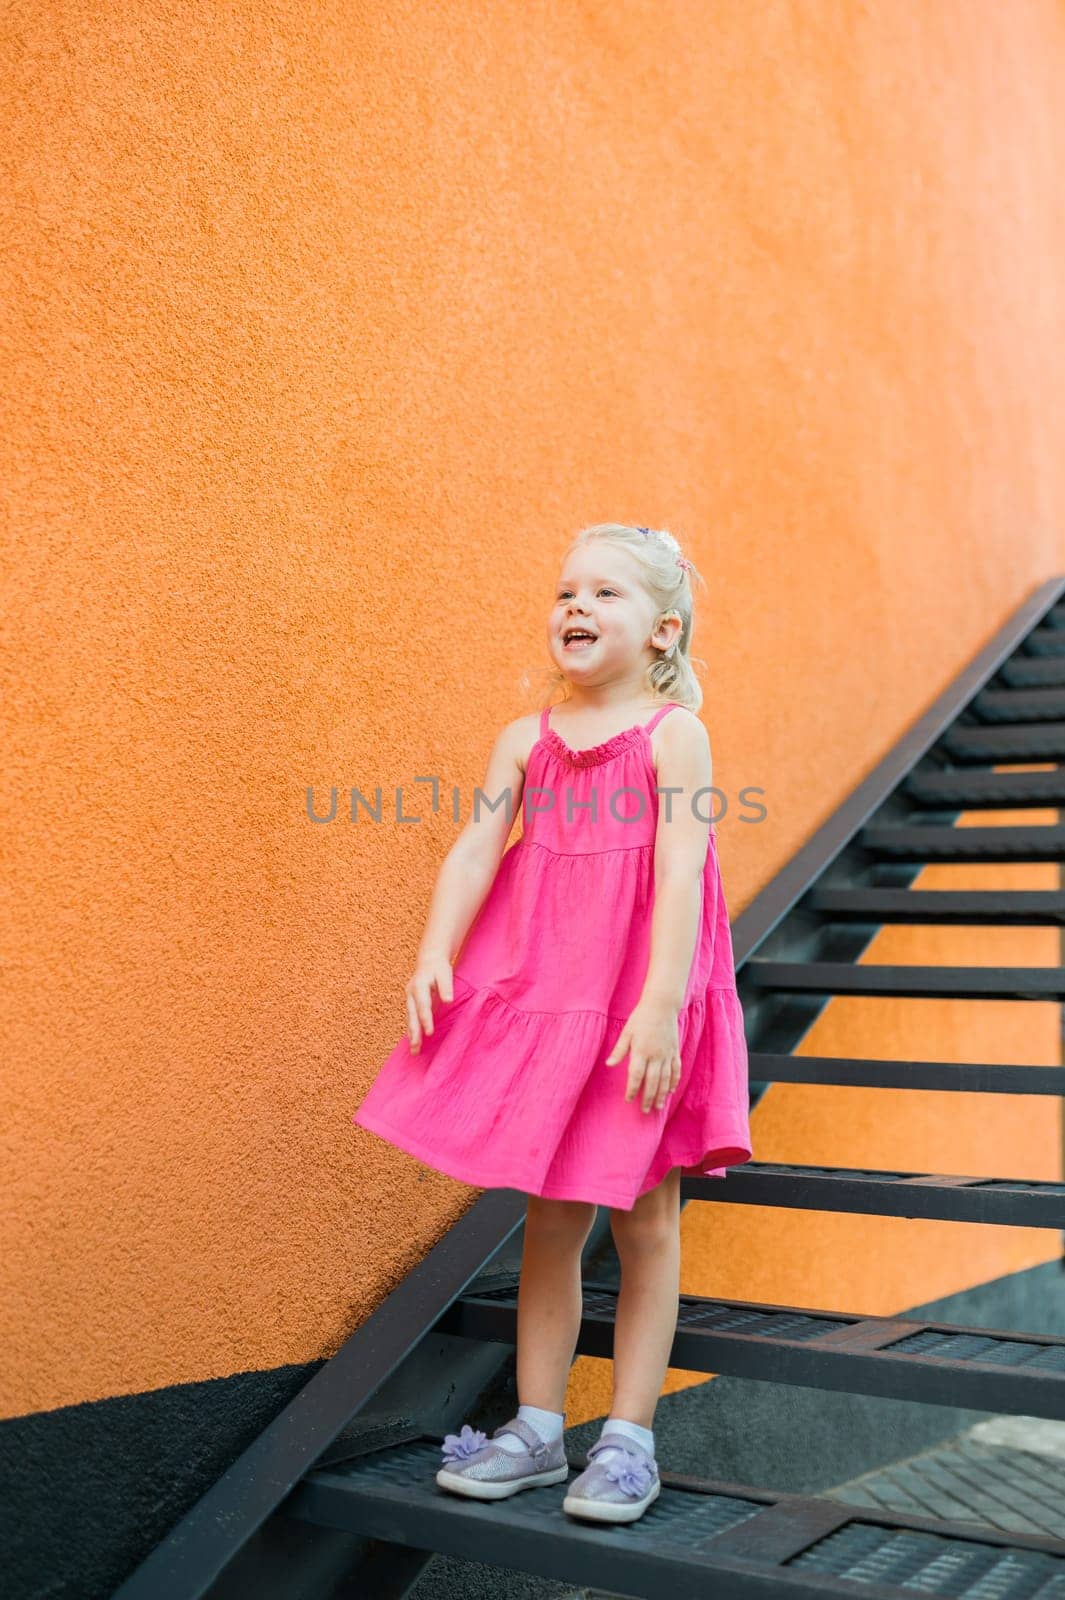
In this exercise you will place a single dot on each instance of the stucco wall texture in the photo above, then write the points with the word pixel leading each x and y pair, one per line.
pixel 327 327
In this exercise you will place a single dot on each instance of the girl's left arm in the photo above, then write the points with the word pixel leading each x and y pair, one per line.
pixel 681 842
pixel 650 1037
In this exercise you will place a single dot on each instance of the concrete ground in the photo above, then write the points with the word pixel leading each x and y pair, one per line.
pixel 1006 1473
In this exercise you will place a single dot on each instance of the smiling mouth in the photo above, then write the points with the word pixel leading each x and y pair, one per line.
pixel 576 639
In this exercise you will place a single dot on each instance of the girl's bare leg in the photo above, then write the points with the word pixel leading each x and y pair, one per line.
pixel 549 1298
pixel 647 1239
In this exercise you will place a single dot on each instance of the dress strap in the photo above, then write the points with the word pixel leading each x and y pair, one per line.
pixel 659 714
pixel 543 721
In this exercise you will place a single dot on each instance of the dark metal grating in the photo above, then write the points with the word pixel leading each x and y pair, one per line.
pixel 967 789
pixel 720 1318
pixel 989 1369
pixel 1027 741
pixel 1008 1202
pixel 698 1537
pixel 1020 705
pixel 1023 670
pixel 1016 842
pixel 879 1175
pixel 1045 1187
pixel 1033 908
pixel 795 1326
pixel 678 1518
pixel 1025 1353
pixel 887 981
pixel 1046 642
pixel 928 1563
pixel 884 1175
pixel 970 1077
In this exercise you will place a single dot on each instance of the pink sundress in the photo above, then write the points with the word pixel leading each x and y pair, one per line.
pixel 511 1089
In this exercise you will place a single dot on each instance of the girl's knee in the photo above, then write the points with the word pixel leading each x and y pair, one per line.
pixel 562 1219
pixel 648 1235
pixel 653 1222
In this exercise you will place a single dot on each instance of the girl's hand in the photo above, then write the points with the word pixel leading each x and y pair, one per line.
pixel 651 1038
pixel 432 972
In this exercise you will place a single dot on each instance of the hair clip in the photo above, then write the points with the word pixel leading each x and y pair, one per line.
pixel 668 540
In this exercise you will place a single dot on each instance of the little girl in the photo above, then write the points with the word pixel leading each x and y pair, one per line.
pixel 590 1047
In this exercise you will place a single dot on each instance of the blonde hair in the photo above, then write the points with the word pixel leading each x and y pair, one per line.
pixel 670 677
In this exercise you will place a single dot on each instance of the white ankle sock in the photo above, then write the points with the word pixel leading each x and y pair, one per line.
pixel 548 1425
pixel 644 1437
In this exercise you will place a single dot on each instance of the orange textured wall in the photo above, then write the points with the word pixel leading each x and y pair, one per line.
pixel 327 327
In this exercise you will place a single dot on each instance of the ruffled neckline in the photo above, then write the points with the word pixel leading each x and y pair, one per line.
pixel 596 752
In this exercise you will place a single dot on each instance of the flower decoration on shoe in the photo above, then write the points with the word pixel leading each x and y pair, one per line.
pixel 632 1476
pixel 461 1446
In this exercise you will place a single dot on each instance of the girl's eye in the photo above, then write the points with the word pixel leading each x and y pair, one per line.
pixel 603 590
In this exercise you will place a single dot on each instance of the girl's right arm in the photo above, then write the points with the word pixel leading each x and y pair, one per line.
pixel 465 877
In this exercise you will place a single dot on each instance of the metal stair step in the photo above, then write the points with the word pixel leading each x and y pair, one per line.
pixel 1022 843
pixel 1006 1202
pixel 1027 704
pixel 1030 741
pixel 1019 670
pixel 1032 908
pixel 1021 704
pixel 699 1537
pixel 912 982
pixel 1046 641
pixel 970 788
pixel 938 1363
pixel 968 1077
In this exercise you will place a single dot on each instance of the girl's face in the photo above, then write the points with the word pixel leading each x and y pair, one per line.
pixel 600 593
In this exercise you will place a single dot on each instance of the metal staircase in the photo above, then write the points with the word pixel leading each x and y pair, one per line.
pixel 337 1497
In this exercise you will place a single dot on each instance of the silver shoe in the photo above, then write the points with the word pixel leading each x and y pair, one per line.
pixel 474 1466
pixel 616 1490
